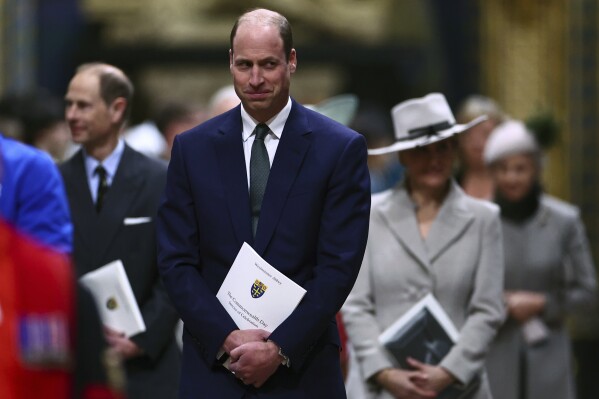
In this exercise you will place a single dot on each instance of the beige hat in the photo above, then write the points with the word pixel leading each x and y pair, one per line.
pixel 422 121
pixel 509 138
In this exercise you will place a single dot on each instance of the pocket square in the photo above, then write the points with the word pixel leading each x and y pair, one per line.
pixel 139 220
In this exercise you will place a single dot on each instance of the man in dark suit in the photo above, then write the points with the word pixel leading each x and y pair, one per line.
pixel 309 219
pixel 114 193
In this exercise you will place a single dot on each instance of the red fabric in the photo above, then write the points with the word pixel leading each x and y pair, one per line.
pixel 100 392
pixel 36 283
pixel 343 338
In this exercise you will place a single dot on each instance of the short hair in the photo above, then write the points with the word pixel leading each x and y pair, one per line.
pixel 113 84
pixel 268 18
pixel 476 105
pixel 30 113
pixel 172 112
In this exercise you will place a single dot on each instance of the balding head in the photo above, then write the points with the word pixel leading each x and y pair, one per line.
pixel 264 17
pixel 113 83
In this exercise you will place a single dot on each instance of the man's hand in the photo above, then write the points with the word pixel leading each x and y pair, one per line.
pixel 523 305
pixel 254 362
pixel 239 337
pixel 121 344
pixel 400 383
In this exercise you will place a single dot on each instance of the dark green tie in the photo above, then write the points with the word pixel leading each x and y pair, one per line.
pixel 259 170
pixel 102 187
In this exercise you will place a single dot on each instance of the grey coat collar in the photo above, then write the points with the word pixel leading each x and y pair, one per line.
pixel 397 211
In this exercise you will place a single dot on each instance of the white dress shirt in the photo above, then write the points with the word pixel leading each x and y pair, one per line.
pixel 110 164
pixel 271 141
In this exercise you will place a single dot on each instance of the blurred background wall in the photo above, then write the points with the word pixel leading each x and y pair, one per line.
pixel 535 57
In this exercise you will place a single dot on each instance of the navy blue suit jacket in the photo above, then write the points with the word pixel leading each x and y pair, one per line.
pixel 313 227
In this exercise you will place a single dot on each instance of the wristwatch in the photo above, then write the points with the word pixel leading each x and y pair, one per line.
pixel 222 357
pixel 285 362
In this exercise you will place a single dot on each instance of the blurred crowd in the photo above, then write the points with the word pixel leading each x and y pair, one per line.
pixel 548 271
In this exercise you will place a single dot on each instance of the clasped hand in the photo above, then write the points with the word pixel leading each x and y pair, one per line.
pixel 523 305
pixel 253 359
pixel 126 348
pixel 423 382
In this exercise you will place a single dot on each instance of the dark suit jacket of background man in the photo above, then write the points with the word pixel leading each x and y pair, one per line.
pixel 313 227
pixel 101 238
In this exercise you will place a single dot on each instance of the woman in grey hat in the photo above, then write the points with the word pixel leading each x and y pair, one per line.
pixel 428 237
pixel 548 273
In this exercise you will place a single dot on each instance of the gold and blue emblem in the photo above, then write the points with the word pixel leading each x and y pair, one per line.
pixel 258 289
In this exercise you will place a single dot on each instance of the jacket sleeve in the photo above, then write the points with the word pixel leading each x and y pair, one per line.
pixel 343 233
pixel 579 281
pixel 485 312
pixel 362 327
pixel 160 317
pixel 42 205
pixel 206 321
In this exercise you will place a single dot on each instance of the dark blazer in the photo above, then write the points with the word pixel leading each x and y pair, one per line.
pixel 313 228
pixel 101 238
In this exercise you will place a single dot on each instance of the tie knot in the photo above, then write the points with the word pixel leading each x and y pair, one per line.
pixel 261 131
pixel 100 171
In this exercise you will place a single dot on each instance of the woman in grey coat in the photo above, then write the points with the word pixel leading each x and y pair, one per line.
pixel 427 236
pixel 548 273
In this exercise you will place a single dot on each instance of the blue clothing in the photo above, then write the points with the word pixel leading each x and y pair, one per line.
pixel 32 195
pixel 313 228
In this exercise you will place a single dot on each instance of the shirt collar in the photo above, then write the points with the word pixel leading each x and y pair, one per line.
pixel 276 124
pixel 111 162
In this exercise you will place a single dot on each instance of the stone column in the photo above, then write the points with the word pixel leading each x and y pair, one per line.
pixel 18 52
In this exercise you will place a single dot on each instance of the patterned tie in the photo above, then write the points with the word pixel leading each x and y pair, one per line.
pixel 259 170
pixel 102 186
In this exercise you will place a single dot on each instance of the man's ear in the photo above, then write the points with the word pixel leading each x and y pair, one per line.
pixel 292 61
pixel 231 59
pixel 117 110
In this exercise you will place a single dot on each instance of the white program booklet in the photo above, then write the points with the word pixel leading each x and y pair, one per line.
pixel 114 297
pixel 255 294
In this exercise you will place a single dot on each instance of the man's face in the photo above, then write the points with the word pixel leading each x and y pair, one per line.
pixel 90 119
pixel 261 73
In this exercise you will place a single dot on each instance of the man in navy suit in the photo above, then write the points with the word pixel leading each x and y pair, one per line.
pixel 312 225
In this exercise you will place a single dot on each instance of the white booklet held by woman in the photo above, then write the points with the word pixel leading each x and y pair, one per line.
pixel 255 294
pixel 114 297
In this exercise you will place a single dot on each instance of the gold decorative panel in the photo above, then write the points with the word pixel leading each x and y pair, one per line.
pixel 204 22
pixel 523 59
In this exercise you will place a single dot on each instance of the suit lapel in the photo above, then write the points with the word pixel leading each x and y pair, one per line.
pixel 83 211
pixel 451 222
pixel 125 187
pixel 397 213
pixel 228 145
pixel 290 154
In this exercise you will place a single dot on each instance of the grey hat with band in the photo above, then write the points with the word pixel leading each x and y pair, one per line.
pixel 422 121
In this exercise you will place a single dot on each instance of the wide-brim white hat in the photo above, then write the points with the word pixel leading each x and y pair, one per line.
pixel 422 121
